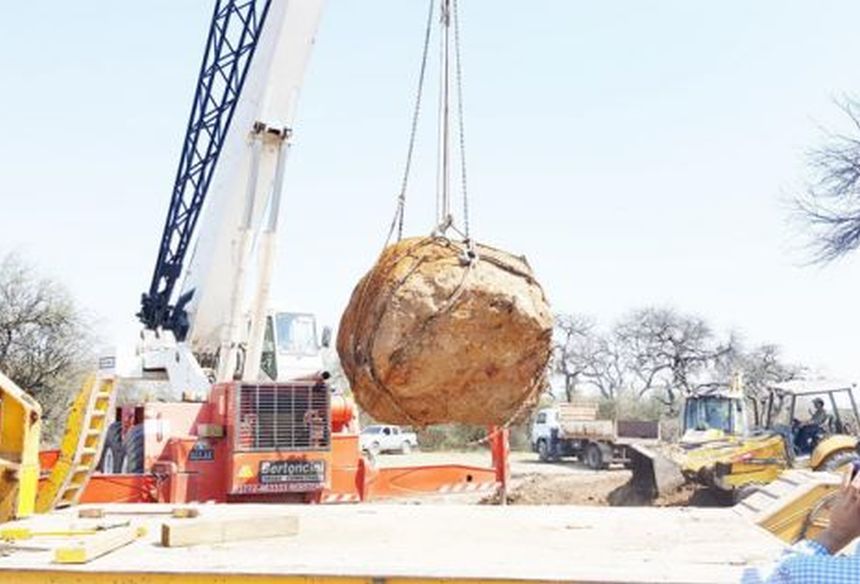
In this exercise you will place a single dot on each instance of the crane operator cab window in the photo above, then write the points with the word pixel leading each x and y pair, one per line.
pixel 268 360
pixel 297 333
pixel 290 347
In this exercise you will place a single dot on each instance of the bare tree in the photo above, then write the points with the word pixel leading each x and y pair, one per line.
pixel 762 367
pixel 585 356
pixel 660 354
pixel 830 206
pixel 571 351
pixel 668 351
pixel 607 369
pixel 44 344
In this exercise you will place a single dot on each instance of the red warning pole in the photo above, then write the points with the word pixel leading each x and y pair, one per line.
pixel 500 447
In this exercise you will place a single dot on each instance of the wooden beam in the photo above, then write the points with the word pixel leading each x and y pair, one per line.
pixel 97 545
pixel 201 531
pixel 176 512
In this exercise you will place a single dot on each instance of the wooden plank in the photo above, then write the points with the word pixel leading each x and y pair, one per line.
pixel 227 529
pixel 577 412
pixel 100 512
pixel 593 429
pixel 97 545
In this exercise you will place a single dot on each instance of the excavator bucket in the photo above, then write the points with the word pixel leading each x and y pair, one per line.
pixel 654 473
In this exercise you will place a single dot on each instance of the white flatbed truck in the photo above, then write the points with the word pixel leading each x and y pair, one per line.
pixel 573 429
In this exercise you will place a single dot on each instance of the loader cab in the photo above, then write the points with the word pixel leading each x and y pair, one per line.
pixel 788 411
pixel 291 348
pixel 714 416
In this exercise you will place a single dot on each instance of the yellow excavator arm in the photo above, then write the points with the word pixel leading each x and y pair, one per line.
pixel 20 431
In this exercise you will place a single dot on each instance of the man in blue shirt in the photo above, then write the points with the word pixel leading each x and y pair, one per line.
pixel 813 561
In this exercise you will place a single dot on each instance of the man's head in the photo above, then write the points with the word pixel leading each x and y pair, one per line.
pixel 818 403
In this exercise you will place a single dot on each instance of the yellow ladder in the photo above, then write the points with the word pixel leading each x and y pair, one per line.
pixel 82 444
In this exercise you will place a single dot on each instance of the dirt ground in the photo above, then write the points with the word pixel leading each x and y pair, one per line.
pixel 566 482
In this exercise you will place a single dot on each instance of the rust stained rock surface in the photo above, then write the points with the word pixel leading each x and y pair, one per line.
pixel 430 338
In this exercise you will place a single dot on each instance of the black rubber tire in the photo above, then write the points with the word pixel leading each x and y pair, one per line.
pixel 543 450
pixel 838 459
pixel 112 450
pixel 593 457
pixel 132 455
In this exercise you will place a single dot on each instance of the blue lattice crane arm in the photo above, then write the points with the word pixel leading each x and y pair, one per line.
pixel 233 36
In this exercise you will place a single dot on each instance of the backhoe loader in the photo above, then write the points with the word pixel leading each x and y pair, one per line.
pixel 726 447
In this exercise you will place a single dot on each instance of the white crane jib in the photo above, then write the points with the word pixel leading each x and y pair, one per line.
pixel 240 218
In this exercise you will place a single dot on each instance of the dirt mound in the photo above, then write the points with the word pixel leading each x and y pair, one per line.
pixel 608 489
pixel 627 495
pixel 538 489
pixel 433 335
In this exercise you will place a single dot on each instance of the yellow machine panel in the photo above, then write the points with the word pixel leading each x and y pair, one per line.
pixel 20 426
pixel 830 446
pixel 736 461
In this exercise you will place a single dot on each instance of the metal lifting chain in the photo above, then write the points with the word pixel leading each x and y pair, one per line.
pixel 460 119
pixel 401 198
pixel 450 14
pixel 445 220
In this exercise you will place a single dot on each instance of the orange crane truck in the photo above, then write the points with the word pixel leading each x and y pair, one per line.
pixel 227 399
pixel 244 413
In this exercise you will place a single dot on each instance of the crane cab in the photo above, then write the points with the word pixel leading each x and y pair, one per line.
pixel 291 347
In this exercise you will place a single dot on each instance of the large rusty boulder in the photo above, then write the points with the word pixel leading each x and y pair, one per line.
pixel 431 335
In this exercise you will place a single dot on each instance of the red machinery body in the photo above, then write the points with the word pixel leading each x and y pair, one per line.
pixel 276 442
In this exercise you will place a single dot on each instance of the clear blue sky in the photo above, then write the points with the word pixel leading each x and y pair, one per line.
pixel 637 152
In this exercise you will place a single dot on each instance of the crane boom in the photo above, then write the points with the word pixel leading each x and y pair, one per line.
pixel 232 159
pixel 233 156
pixel 243 201
pixel 233 38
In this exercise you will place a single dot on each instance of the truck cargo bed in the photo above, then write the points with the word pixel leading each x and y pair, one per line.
pixel 578 421
pixel 374 543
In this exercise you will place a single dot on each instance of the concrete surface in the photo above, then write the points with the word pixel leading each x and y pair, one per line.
pixel 563 543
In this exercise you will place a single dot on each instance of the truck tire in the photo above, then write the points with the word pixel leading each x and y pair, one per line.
pixel 132 451
pixel 543 450
pixel 111 459
pixel 593 456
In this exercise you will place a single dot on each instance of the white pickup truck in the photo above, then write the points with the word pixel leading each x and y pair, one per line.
pixel 572 429
pixel 383 438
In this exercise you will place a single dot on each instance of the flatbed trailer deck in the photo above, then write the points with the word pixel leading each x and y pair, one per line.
pixel 420 543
